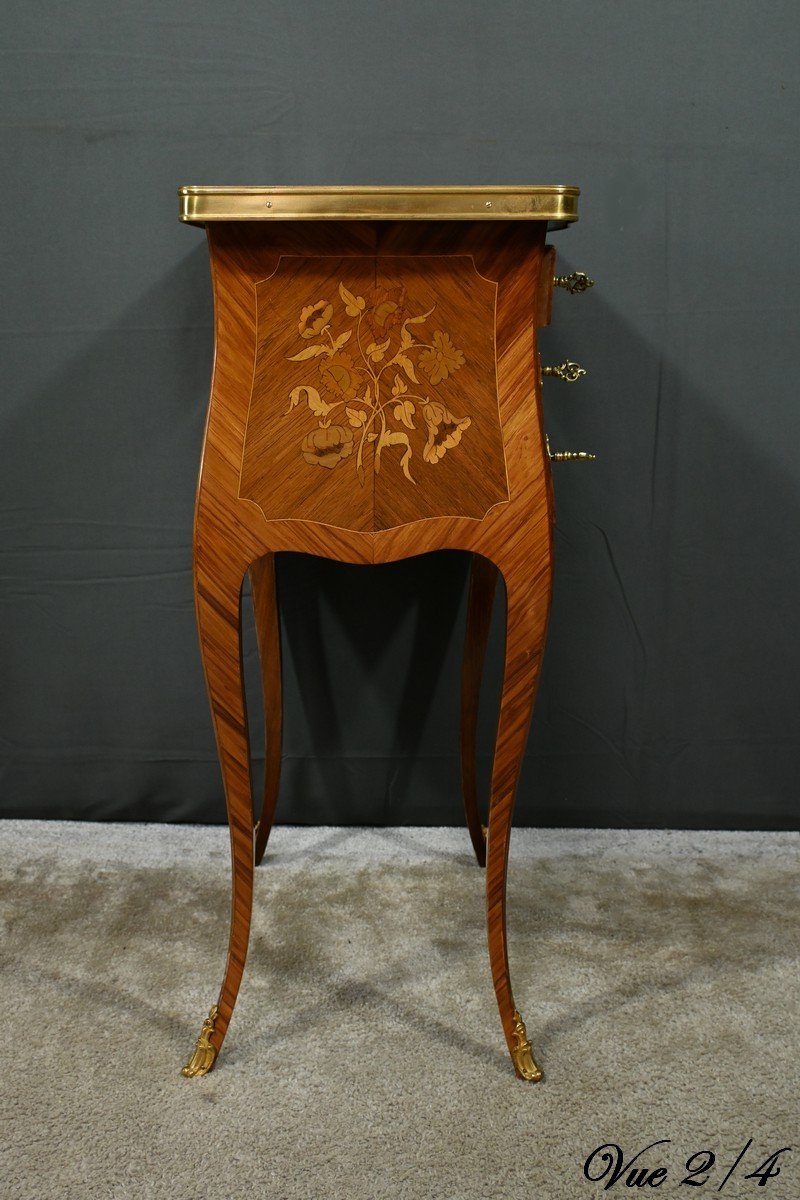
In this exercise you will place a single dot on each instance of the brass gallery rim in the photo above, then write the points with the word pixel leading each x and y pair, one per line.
pixel 546 202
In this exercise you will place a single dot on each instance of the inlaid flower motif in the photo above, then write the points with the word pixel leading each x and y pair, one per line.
pixel 314 318
pixel 444 430
pixel 386 312
pixel 371 389
pixel 326 447
pixel 339 376
pixel 441 359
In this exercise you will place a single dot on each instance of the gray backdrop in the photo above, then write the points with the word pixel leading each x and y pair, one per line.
pixel 670 689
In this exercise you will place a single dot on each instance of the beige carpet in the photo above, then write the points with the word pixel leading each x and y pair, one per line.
pixel 658 974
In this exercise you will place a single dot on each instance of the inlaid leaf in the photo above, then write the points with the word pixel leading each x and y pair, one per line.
pixel 376 350
pixel 309 352
pixel 399 386
pixel 404 412
pixel 356 416
pixel 340 341
pixel 317 405
pixel 353 304
pixel 418 320
pixel 405 362
pixel 313 399
pixel 390 438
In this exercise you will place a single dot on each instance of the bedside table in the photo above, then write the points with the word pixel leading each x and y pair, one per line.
pixel 376 394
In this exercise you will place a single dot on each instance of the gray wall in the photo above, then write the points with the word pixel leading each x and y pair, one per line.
pixel 670 692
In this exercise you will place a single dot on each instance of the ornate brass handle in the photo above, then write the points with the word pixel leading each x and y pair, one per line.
pixel 577 281
pixel 569 372
pixel 568 455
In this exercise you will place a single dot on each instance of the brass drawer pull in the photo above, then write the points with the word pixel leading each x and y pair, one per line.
pixel 568 372
pixel 576 282
pixel 568 455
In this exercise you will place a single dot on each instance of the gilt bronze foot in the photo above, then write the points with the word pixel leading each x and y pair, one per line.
pixel 205 1053
pixel 522 1054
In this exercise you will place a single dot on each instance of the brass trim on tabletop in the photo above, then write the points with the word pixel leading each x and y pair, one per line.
pixel 552 202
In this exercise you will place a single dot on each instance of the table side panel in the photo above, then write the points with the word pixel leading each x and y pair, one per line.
pixel 507 255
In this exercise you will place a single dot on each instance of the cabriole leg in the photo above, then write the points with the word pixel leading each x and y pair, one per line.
pixel 218 601
pixel 527 607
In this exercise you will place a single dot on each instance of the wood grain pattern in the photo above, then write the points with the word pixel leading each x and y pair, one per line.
pixel 268 631
pixel 232 531
pixel 544 294
pixel 480 599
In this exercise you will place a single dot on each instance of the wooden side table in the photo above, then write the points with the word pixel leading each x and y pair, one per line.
pixel 376 394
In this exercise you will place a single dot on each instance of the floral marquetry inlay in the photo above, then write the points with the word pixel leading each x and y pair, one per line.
pixel 373 366
pixel 374 395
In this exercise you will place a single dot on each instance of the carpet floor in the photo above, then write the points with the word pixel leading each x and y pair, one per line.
pixel 657 973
